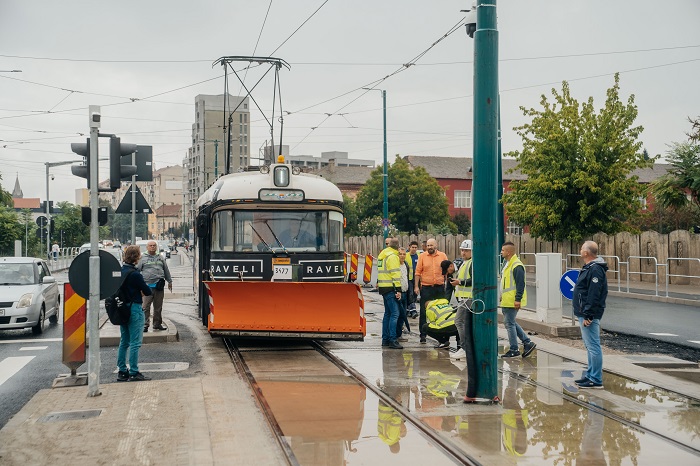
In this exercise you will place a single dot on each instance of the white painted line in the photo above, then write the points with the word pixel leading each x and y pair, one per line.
pixel 36 340
pixel 664 334
pixel 697 342
pixel 10 366
pixel 33 348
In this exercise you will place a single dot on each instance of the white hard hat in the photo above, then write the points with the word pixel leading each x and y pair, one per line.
pixel 466 244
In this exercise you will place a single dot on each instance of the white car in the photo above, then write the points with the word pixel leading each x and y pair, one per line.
pixel 28 294
pixel 86 247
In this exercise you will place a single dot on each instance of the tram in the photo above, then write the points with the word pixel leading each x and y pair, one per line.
pixel 269 259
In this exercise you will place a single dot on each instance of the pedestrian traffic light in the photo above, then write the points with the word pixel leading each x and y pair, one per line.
pixel 117 171
pixel 82 171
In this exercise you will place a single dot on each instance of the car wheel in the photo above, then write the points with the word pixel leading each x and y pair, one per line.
pixel 54 318
pixel 39 327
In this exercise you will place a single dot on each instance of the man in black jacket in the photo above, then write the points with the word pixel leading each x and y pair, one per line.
pixel 588 302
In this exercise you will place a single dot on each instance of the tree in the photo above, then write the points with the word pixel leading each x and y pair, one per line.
pixel 5 197
pixel 682 179
pixel 70 221
pixel 463 223
pixel 10 230
pixel 415 198
pixel 694 134
pixel 350 213
pixel 578 165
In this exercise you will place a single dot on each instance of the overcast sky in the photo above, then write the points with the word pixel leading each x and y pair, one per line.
pixel 80 53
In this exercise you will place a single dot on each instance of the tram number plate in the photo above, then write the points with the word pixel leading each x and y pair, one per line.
pixel 282 272
pixel 2 312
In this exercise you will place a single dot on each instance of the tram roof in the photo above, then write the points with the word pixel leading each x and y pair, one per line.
pixel 247 185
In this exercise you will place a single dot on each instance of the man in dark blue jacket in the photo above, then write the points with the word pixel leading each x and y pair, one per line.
pixel 588 301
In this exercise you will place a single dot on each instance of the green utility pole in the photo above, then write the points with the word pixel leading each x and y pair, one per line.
pixel 499 188
pixel 485 209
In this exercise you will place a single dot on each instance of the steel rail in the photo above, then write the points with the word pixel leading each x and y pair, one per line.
pixel 243 368
pixel 448 447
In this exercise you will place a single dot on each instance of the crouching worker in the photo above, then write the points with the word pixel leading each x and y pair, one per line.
pixel 440 317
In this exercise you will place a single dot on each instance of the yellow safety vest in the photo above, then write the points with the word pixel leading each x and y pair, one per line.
pixel 442 385
pixel 388 424
pixel 511 430
pixel 439 314
pixel 508 284
pixel 389 269
pixel 464 274
pixel 409 266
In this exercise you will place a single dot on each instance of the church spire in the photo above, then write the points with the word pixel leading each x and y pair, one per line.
pixel 17 192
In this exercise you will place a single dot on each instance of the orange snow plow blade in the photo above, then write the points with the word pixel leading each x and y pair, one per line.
pixel 326 311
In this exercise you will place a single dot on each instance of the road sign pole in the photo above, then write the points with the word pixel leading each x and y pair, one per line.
pixel 133 202
pixel 94 302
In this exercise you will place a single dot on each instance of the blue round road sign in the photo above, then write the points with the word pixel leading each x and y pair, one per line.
pixel 567 283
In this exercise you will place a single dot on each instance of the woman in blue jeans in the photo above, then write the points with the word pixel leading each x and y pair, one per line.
pixel 132 333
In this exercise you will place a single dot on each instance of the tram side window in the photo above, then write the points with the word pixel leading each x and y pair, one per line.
pixel 222 231
pixel 335 234
pixel 244 231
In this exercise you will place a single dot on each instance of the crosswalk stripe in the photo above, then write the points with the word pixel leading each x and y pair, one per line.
pixel 33 348
pixel 41 340
pixel 10 366
pixel 664 334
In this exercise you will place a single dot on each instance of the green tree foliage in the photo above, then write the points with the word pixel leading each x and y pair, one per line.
pixel 29 238
pixel 372 226
pixel 694 134
pixel 75 232
pixel 463 223
pixel 578 165
pixel 415 198
pixel 10 230
pixel 683 177
pixel 350 213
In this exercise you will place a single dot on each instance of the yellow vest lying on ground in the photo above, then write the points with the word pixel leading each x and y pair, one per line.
pixel 439 314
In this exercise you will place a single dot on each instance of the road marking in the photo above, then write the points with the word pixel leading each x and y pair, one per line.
pixel 664 334
pixel 697 342
pixel 10 366
pixel 41 340
pixel 33 348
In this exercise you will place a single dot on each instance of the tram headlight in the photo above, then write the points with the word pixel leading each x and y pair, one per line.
pixel 281 176
pixel 265 169
pixel 296 170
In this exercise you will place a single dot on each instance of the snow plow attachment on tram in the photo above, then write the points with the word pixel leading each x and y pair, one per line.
pixel 313 310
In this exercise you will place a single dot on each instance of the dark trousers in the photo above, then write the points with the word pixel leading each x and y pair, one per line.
pixel 402 315
pixel 427 294
pixel 440 334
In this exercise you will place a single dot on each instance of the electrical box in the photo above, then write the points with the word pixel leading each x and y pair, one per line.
pixel 547 276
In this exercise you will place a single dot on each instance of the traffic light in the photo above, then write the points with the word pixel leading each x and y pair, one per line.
pixel 82 171
pixel 117 171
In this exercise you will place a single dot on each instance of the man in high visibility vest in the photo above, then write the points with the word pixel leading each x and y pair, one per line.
pixel 389 286
pixel 463 292
pixel 513 296
pixel 440 324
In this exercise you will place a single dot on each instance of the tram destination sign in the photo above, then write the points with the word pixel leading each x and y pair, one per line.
pixel 288 195
pixel 237 268
pixel 322 269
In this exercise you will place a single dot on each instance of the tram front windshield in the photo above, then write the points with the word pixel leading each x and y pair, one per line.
pixel 272 231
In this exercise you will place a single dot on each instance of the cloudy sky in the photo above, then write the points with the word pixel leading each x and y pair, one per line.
pixel 145 61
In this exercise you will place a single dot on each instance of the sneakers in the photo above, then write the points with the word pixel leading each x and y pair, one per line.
pixel 511 354
pixel 581 380
pixel 145 329
pixel 122 376
pixel 459 354
pixel 443 345
pixel 423 340
pixel 138 377
pixel 528 348
pixel 395 345
pixel 160 327
pixel 589 384
pixel 402 339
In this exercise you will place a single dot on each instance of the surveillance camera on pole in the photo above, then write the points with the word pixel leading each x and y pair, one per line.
pixel 470 20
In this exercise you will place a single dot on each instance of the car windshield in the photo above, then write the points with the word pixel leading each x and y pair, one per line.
pixel 17 274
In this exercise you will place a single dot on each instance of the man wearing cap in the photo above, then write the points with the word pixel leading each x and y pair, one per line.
pixel 463 284
pixel 429 280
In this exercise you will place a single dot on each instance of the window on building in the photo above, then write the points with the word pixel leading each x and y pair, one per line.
pixel 245 106
pixel 463 199
pixel 513 228
pixel 642 202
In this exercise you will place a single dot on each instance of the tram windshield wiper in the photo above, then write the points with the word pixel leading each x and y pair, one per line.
pixel 273 234
pixel 261 238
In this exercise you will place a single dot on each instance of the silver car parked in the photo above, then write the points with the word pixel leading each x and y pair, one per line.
pixel 28 294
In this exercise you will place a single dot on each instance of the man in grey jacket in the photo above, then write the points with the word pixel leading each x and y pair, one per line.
pixel 155 273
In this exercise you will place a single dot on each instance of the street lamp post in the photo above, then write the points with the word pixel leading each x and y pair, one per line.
pixel 385 175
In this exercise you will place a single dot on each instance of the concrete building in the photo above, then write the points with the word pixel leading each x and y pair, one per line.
pixel 164 191
pixel 206 159
pixel 339 159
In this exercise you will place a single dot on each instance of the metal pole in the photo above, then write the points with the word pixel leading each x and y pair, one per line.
pixel 385 176
pixel 133 201
pixel 94 302
pixel 48 214
pixel 216 159
pixel 499 188
pixel 485 210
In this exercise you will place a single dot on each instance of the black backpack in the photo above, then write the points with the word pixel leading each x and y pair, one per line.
pixel 118 306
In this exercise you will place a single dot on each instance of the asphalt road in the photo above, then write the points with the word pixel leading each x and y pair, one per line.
pixel 673 323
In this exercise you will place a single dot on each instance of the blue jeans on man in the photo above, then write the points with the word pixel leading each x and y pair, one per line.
pixel 591 338
pixel 515 331
pixel 131 337
pixel 391 318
